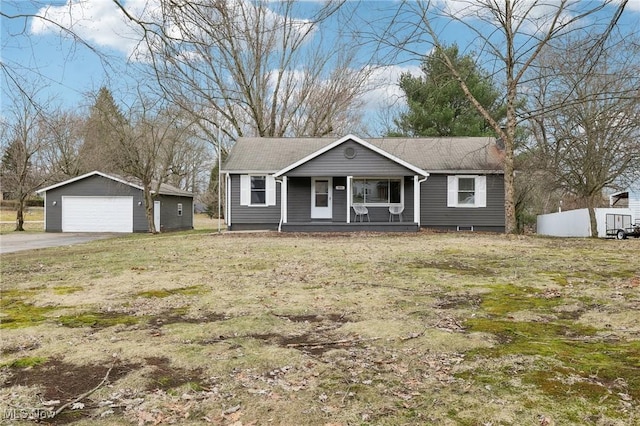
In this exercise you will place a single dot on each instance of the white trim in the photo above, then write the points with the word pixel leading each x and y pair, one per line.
pixel 359 141
pixel 349 181
pixel 416 199
pixel 86 175
pixel 157 209
pixel 227 216
pixel 283 199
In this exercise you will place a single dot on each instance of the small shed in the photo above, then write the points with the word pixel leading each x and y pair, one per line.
pixel 99 202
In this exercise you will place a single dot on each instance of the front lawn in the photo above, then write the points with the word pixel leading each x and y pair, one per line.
pixel 335 329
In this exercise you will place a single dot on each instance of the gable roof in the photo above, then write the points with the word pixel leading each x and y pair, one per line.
pixel 449 154
pixel 165 189
pixel 359 141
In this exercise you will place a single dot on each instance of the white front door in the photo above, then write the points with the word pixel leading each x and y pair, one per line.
pixel 321 198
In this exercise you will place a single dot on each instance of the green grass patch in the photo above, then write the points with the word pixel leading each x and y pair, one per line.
pixel 26 362
pixel 67 289
pixel 162 293
pixel 580 353
pixel 99 320
pixel 507 298
pixel 17 314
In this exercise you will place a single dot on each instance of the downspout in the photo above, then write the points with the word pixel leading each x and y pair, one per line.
pixel 416 197
pixel 284 197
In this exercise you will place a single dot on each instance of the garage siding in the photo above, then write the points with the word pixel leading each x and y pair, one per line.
pixel 169 218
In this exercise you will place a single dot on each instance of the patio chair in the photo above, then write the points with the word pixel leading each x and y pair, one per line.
pixel 395 211
pixel 361 211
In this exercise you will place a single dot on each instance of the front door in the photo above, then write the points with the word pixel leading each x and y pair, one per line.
pixel 321 198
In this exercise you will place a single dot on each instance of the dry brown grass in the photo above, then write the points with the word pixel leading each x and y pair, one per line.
pixel 289 329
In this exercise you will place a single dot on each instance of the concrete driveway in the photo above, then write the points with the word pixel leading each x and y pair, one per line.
pixel 19 241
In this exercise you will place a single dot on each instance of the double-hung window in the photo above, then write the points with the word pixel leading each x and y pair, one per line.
pixel 376 191
pixel 466 191
pixel 257 190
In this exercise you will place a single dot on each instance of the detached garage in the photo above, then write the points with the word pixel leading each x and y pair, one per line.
pixel 98 202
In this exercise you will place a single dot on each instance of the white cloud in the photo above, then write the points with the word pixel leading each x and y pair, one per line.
pixel 384 88
pixel 98 22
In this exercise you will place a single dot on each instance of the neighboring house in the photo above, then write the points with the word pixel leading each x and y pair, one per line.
pixel 322 184
pixel 98 202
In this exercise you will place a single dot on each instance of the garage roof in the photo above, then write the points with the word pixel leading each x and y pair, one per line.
pixel 165 189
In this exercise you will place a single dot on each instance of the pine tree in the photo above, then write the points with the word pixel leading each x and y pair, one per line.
pixel 102 130
pixel 437 106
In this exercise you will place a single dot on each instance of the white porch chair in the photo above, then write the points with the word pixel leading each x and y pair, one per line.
pixel 395 211
pixel 361 211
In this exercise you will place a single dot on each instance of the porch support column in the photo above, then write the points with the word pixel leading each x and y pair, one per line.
pixel 284 199
pixel 349 179
pixel 416 199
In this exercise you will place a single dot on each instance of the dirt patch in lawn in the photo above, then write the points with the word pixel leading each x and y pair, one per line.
pixel 59 383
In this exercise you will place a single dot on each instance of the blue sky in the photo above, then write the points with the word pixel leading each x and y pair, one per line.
pixel 71 70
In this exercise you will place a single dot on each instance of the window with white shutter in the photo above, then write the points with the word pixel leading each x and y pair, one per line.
pixel 466 191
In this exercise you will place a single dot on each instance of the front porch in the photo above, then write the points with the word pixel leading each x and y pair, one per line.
pixel 319 226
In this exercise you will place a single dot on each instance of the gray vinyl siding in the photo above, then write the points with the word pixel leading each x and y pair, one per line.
pixel 252 215
pixel 299 196
pixel 93 186
pixel 99 186
pixel 365 163
pixel 434 212
pixel 169 219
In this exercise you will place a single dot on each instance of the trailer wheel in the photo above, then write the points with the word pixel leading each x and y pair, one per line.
pixel 620 235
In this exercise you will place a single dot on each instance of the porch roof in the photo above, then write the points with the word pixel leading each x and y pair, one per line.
pixel 456 154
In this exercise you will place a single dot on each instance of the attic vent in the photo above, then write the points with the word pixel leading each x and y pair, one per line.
pixel 350 152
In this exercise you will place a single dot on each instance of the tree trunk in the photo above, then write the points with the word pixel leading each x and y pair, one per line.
pixel 20 215
pixel 592 217
pixel 149 209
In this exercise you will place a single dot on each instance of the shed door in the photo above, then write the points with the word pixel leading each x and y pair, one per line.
pixel 321 198
pixel 97 214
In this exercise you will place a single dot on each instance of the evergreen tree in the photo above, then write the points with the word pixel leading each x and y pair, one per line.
pixel 437 104
pixel 102 131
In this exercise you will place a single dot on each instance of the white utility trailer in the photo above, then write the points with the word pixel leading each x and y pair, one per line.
pixel 576 223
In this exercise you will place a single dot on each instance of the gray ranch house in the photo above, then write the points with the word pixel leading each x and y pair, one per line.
pixel 352 184
pixel 98 202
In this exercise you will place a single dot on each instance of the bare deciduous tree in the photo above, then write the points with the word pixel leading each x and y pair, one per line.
pixel 253 68
pixel 25 138
pixel 509 35
pixel 151 146
pixel 587 131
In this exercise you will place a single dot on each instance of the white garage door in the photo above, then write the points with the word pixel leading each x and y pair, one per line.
pixel 97 214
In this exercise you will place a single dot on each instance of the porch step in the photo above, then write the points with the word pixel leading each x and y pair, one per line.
pixel 350 227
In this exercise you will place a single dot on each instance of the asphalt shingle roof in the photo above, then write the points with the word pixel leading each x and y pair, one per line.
pixel 269 155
